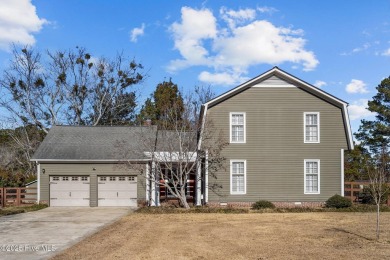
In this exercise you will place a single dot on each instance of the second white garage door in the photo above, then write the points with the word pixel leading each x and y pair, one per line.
pixel 117 191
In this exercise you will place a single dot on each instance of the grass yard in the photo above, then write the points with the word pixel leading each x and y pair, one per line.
pixel 20 209
pixel 319 235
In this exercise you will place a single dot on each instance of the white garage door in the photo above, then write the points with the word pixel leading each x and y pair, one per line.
pixel 117 191
pixel 69 191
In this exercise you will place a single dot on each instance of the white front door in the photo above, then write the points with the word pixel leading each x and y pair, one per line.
pixel 69 191
pixel 117 191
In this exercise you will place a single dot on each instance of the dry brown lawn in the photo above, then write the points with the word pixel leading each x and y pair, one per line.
pixel 327 235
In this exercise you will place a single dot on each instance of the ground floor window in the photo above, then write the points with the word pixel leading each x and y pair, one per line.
pixel 237 176
pixel 312 176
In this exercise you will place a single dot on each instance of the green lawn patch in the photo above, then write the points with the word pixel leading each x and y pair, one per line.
pixel 21 209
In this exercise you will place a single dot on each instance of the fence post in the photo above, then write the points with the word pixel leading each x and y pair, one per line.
pixel 2 197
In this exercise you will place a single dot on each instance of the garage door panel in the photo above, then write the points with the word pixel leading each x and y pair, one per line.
pixel 117 191
pixel 69 191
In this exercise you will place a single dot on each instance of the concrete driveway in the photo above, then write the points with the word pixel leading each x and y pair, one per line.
pixel 42 234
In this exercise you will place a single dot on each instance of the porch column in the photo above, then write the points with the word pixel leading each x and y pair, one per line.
pixel 198 181
pixel 153 198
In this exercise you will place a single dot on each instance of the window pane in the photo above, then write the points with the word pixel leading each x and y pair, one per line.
pixel 311 119
pixel 238 183
pixel 237 119
pixel 238 127
pixel 311 127
pixel 238 177
pixel 312 183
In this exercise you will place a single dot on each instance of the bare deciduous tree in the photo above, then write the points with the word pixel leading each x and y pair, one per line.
pixel 176 161
pixel 379 189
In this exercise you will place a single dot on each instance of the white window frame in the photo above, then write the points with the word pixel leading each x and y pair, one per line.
pixel 318 127
pixel 231 177
pixel 319 176
pixel 230 124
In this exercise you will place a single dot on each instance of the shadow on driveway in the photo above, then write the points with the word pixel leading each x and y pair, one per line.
pixel 42 234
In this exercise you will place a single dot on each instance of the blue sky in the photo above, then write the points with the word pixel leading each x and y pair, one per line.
pixel 343 47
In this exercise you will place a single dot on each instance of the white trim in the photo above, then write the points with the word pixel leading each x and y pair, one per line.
pixel 231 179
pixel 342 172
pixel 206 176
pixel 230 127
pixel 284 74
pixel 198 182
pixel 318 127
pixel 153 199
pixel 173 156
pixel 39 183
pixel 147 180
pixel 242 86
pixel 348 126
pixel 319 175
pixel 274 86
pixel 202 127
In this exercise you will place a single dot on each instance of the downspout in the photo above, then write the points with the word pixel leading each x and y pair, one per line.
pixel 39 182
pixel 342 172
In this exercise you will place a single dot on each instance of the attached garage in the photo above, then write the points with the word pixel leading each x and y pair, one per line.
pixel 117 191
pixel 89 166
pixel 69 191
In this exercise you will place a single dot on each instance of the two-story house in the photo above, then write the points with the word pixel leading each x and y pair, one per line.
pixel 286 142
pixel 286 145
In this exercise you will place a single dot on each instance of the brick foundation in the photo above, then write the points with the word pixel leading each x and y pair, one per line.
pixel 278 204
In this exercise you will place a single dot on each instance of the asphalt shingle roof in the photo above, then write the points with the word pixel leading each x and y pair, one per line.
pixel 94 143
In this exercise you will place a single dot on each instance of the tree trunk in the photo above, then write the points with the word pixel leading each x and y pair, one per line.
pixel 377 220
pixel 184 202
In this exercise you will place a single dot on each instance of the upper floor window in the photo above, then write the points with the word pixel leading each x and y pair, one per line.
pixel 312 127
pixel 237 127
pixel 237 177
pixel 312 176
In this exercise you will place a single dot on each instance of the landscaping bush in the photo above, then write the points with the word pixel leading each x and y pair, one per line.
pixel 338 202
pixel 263 204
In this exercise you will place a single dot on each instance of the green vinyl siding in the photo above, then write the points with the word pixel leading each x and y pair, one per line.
pixel 274 149
pixel 81 169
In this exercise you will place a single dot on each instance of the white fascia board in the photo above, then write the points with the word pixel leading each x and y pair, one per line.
pixel 205 107
pixel 173 156
pixel 242 86
pixel 294 79
pixel 348 126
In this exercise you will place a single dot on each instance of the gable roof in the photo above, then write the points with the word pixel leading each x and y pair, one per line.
pixel 98 143
pixel 270 76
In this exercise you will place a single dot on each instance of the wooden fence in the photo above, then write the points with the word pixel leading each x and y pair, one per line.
pixel 17 196
pixel 354 190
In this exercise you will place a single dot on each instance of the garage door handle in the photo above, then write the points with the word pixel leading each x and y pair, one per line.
pixel 70 194
pixel 117 194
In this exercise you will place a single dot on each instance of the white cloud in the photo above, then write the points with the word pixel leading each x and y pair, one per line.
pixel 362 48
pixel 358 110
pixel 222 78
pixel 386 52
pixel 320 83
pixel 237 17
pixel 232 49
pixel 18 22
pixel 136 32
pixel 356 86
pixel 195 26
pixel 266 9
